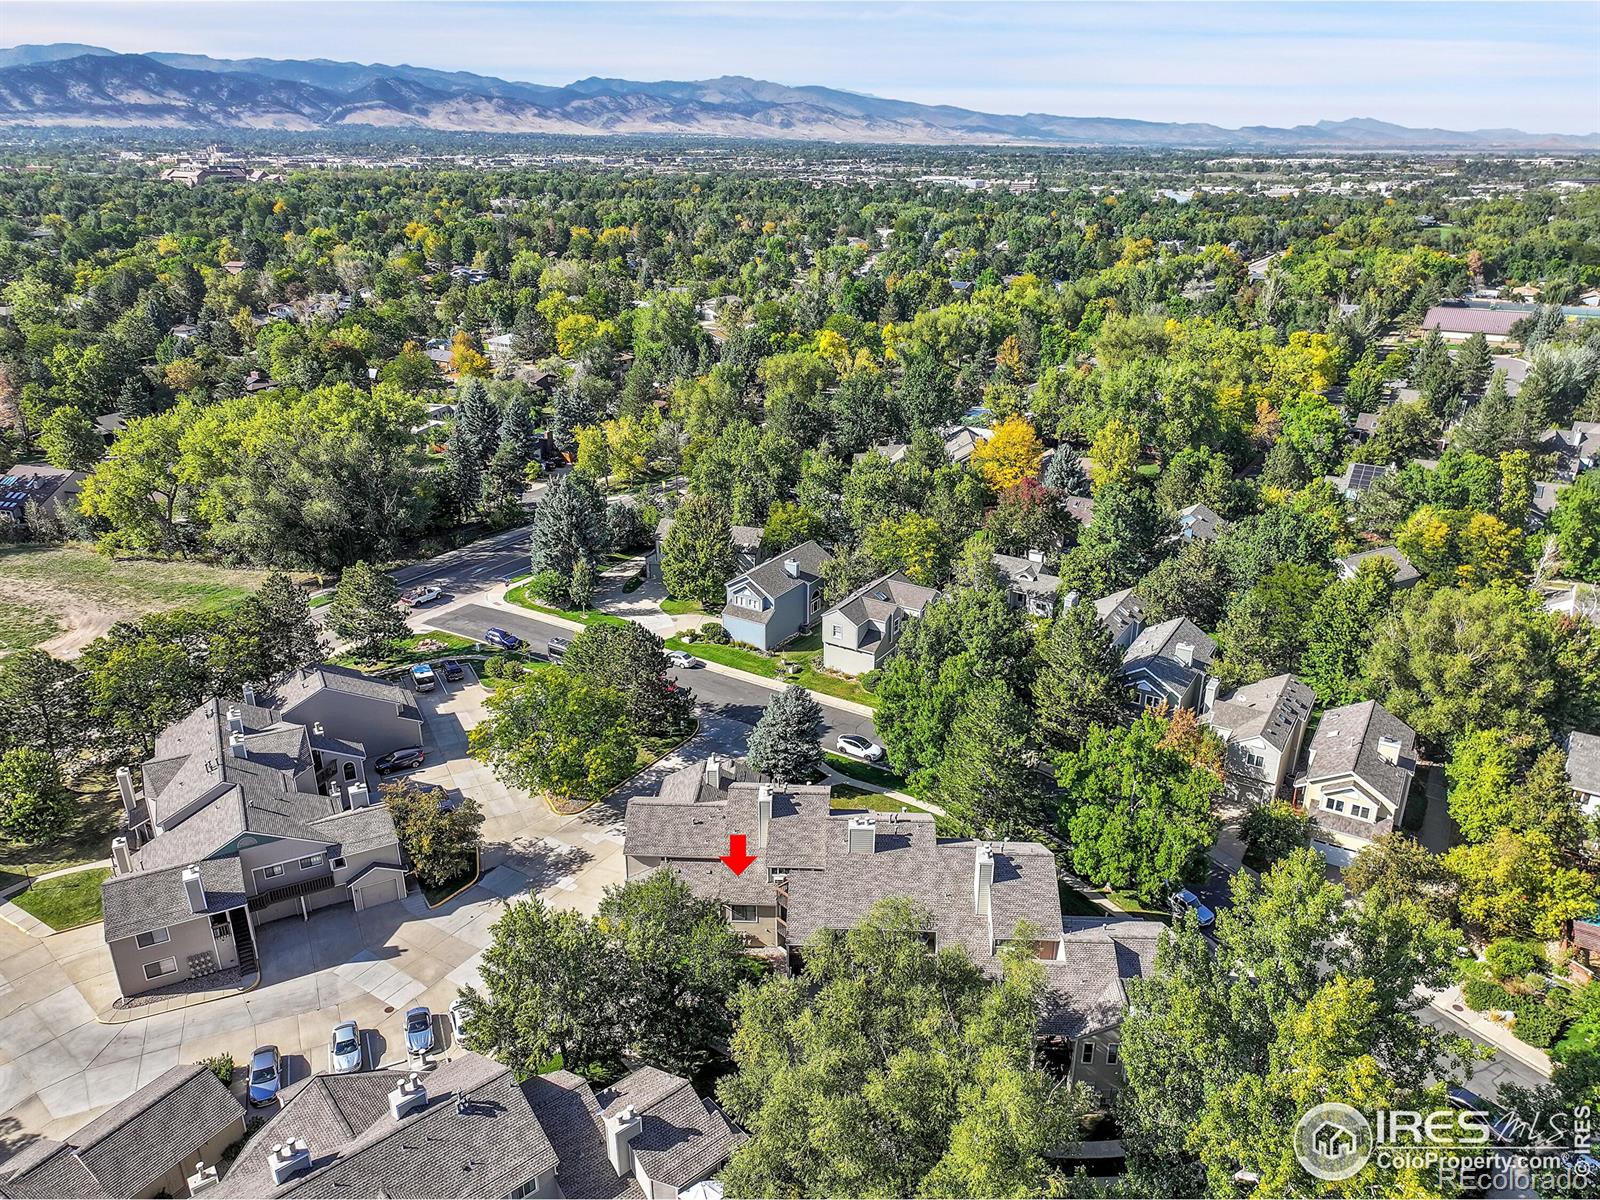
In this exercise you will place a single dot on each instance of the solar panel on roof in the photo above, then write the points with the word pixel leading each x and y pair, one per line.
pixel 1363 475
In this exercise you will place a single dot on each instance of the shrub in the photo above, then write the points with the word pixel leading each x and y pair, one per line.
pixel 550 587
pixel 1271 831
pixel 1510 958
pixel 1537 1025
pixel 1484 994
pixel 220 1065
pixel 713 631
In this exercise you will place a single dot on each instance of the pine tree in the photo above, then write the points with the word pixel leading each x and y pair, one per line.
pixel 464 475
pixel 569 524
pixel 1474 364
pixel 1077 685
pixel 516 430
pixel 477 421
pixel 787 741
pixel 986 782
pixel 366 611
pixel 1064 476
pixel 282 615
pixel 1486 429
pixel 572 412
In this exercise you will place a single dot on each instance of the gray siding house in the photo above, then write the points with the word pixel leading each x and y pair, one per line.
pixel 470 1129
pixel 242 819
pixel 1356 779
pixel 778 600
pixel 859 632
pixel 1262 725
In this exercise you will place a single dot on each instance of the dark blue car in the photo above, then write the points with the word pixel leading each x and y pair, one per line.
pixel 496 636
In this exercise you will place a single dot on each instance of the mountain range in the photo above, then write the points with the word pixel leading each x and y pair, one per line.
pixel 67 84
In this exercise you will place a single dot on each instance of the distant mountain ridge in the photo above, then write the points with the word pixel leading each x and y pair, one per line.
pixel 67 84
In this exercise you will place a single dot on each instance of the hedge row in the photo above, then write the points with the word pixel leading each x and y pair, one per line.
pixel 1537 1023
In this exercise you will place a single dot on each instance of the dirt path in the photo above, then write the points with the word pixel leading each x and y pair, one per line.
pixel 80 619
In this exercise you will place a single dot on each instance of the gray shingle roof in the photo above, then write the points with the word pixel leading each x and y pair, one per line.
pixel 1271 709
pixel 1200 521
pixel 1026 575
pixel 1346 743
pixel 503 1135
pixel 145 900
pixel 1404 572
pixel 1087 988
pixel 300 685
pixel 1155 654
pixel 1583 762
pixel 127 1148
pixel 883 597
pixel 1119 610
pixel 772 578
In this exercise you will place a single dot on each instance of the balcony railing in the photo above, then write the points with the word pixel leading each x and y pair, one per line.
pixel 290 891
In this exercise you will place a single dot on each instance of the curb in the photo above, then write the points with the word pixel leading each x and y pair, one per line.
pixel 477 874
pixel 157 1010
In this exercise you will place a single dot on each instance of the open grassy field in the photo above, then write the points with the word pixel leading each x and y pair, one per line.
pixel 63 597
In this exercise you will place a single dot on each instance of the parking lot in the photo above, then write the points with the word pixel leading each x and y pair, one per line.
pixel 59 1065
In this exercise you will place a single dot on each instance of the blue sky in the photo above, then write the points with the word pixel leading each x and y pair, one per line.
pixel 1535 66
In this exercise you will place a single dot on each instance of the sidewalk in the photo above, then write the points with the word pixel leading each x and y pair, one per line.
pixel 1450 1003
pixel 26 921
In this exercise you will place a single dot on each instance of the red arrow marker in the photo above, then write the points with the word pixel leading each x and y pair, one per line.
pixel 736 858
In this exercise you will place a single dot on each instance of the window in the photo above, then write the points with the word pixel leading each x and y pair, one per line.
pixel 336 863
pixel 272 872
pixel 747 600
pixel 154 938
pixel 1087 1056
pixel 1255 759
pixel 1362 812
pixel 1333 804
pixel 836 632
pixel 311 860
pixel 162 966
pixel 742 914
pixel 349 770
pixel 1111 1054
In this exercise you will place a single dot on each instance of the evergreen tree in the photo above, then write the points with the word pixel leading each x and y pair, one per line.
pixel 1077 686
pixel 1064 476
pixel 1486 428
pixel 1474 363
pixel 517 435
pixel 572 412
pixel 569 524
pixel 463 475
pixel 366 611
pixel 986 782
pixel 787 741
pixel 477 422
pixel 279 615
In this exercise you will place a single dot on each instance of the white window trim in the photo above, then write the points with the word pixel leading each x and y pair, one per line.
pixel 312 860
pixel 736 919
pixel 1086 1054
pixel 275 871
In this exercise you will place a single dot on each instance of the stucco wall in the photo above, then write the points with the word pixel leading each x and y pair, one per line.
pixel 191 937
pixel 375 724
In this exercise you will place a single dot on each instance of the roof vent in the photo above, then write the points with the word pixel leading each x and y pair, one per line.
pixel 203 1179
pixel 861 835
pixel 408 1097
pixel 288 1159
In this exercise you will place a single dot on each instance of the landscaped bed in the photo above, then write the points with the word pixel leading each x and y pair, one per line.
pixel 810 675
pixel 523 598
pixel 64 901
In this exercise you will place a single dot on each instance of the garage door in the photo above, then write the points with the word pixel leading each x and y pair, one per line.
pixel 379 891
pixel 1336 856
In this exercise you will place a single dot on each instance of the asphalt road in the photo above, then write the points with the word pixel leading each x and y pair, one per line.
pixel 727 696
pixel 473 566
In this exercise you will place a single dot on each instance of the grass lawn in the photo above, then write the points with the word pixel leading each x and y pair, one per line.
pixel 1136 906
pixel 846 797
pixel 407 653
pixel 87 840
pixel 1075 904
pixel 678 608
pixel 520 597
pixel 66 901
pixel 49 590
pixel 867 773
pixel 437 895
pixel 771 666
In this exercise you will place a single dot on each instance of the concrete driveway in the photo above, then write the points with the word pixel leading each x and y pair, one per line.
pixel 59 1066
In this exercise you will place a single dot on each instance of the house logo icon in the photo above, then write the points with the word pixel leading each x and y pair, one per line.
pixel 1333 1141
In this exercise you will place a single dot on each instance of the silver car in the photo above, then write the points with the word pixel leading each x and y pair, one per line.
pixel 344 1049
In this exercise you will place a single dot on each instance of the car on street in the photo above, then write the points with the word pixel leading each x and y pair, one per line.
pixel 860 747
pixel 453 671
pixel 458 1017
pixel 344 1049
pixel 1185 901
pixel 682 658
pixel 266 1075
pixel 423 678
pixel 496 636
pixel 419 1030
pixel 404 759
pixel 418 596
pixel 556 648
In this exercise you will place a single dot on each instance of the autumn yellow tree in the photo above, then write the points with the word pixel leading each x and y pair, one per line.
pixel 1114 453
pixel 465 357
pixel 1010 456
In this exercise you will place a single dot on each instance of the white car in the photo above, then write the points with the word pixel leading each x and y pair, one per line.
pixel 857 746
pixel 682 658
pixel 344 1049
pixel 418 596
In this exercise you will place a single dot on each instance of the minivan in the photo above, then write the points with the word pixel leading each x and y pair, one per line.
pixel 423 678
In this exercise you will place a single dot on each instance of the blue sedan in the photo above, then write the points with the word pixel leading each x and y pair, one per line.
pixel 496 636
pixel 266 1075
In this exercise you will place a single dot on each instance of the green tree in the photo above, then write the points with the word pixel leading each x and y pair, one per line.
pixel 1338 633
pixel 549 994
pixel 1119 545
pixel 1077 685
pixel 631 661
pixel 1272 831
pixel 987 782
pixel 365 611
pixel 44 705
pixel 1516 885
pixel 679 968
pixel 697 553
pixel 552 733
pixel 1403 869
pixel 788 525
pixel 70 440
pixel 879 1072
pixel 1576 525
pixel 569 524
pixel 1137 813
pixel 34 807
pixel 440 840
pixel 1265 630
pixel 277 618
pixel 139 492
pixel 143 675
pixel 786 742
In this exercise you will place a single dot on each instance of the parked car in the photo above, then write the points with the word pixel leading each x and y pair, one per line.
pixel 266 1075
pixel 458 1017
pixel 453 671
pixel 418 596
pixel 404 759
pixel 860 747
pixel 1184 900
pixel 682 658
pixel 556 648
pixel 496 636
pixel 344 1049
pixel 419 1030
pixel 423 678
